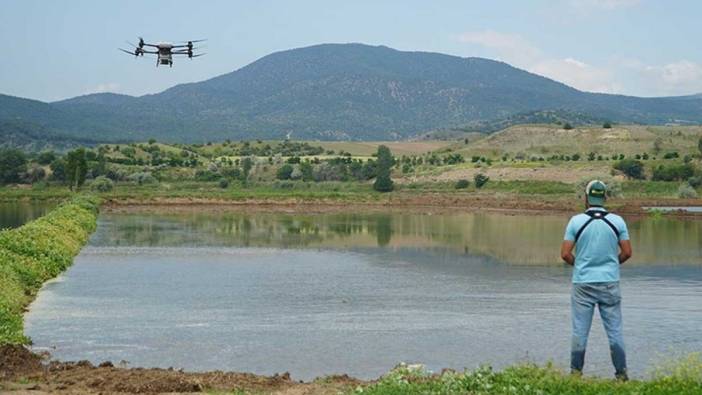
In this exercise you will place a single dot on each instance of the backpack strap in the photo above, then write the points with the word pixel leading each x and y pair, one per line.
pixel 596 215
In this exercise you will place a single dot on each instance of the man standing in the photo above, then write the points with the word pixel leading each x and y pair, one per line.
pixel 601 242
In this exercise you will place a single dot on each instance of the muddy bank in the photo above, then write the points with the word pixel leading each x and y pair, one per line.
pixel 24 372
pixel 425 203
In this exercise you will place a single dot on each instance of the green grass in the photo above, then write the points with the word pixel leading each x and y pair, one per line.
pixel 681 378
pixel 36 252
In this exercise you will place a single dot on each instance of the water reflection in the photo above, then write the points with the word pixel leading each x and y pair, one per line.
pixel 16 214
pixel 514 239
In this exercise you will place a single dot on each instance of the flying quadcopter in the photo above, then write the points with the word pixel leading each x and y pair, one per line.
pixel 164 51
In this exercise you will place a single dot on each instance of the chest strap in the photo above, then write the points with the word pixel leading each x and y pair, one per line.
pixel 596 215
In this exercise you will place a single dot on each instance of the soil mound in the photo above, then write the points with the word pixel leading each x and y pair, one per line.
pixel 17 361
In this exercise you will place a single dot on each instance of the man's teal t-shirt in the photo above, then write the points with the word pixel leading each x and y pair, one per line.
pixel 597 249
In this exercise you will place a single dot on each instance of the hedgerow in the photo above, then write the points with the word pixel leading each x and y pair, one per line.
pixel 37 252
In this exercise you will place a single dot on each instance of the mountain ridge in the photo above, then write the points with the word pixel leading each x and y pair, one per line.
pixel 340 91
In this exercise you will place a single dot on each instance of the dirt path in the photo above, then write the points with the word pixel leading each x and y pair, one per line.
pixel 23 372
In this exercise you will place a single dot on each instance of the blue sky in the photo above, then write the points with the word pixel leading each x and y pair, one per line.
pixel 58 49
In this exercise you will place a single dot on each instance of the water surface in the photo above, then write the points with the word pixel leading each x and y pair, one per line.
pixel 355 293
pixel 15 214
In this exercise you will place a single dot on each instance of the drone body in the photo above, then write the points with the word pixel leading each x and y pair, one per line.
pixel 164 51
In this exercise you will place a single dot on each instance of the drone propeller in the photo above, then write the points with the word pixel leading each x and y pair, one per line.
pixel 135 53
pixel 195 56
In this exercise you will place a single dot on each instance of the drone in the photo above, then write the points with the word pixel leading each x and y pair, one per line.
pixel 164 51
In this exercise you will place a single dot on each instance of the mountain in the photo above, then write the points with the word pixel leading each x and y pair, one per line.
pixel 341 91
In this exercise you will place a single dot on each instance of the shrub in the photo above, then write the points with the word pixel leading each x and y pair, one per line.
pixel 673 172
pixel 34 173
pixel 685 191
pixel 480 180
pixel 462 184
pixel 207 175
pixel 607 125
pixel 671 155
pixel 284 172
pixel 142 178
pixel 632 168
pixel 567 126
pixel 223 183
pixel 383 183
pixel 102 184
pixel 695 182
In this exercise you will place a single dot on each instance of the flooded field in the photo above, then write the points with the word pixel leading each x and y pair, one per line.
pixel 355 293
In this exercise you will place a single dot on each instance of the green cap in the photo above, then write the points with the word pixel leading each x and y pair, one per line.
pixel 596 192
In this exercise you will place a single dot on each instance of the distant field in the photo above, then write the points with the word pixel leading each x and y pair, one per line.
pixel 547 140
pixel 398 148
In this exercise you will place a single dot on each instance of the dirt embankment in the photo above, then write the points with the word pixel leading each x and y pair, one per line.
pixel 23 372
pixel 434 202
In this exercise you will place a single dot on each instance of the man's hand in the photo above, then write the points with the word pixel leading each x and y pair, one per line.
pixel 567 252
pixel 624 251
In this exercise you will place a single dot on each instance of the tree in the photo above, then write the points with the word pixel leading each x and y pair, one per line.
pixel 284 172
pixel 632 168
pixel 657 145
pixel 567 126
pixel 13 164
pixel 246 166
pixel 607 125
pixel 480 180
pixel 384 163
pixel 46 157
pixel 58 169
pixel 306 169
pixel 76 168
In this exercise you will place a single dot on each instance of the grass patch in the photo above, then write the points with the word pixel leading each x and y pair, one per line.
pixel 680 378
pixel 36 252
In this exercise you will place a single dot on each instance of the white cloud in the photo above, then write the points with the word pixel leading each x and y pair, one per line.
pixel 518 51
pixel 577 74
pixel 617 75
pixel 511 48
pixel 676 78
pixel 104 87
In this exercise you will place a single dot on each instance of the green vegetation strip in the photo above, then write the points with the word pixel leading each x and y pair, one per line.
pixel 678 377
pixel 37 252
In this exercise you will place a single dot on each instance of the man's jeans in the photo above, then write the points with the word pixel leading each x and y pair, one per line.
pixel 607 297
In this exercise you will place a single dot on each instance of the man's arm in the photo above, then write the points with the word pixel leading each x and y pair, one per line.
pixel 624 251
pixel 567 252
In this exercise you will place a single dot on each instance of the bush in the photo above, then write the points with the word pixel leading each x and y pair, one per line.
pixel 207 175
pixel 223 183
pixel 102 184
pixel 142 178
pixel 685 191
pixel 567 126
pixel 695 182
pixel 480 180
pixel 673 172
pixel 607 125
pixel 284 172
pixel 383 183
pixel 462 184
pixel 632 168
